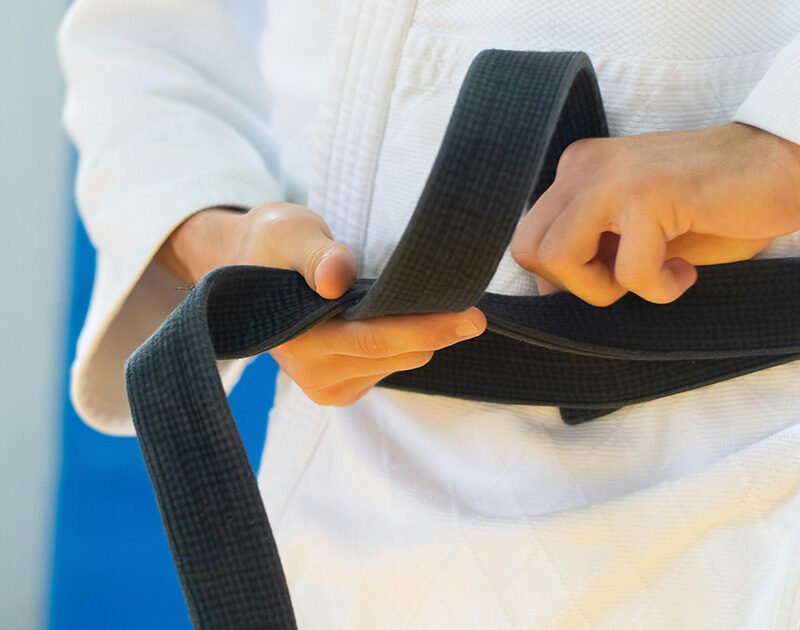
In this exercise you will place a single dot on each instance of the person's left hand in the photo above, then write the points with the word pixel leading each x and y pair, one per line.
pixel 637 213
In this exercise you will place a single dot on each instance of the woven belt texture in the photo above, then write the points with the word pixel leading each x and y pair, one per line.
pixel 515 114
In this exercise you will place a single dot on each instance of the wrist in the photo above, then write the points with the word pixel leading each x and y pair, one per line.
pixel 204 241
pixel 790 156
pixel 793 167
pixel 786 154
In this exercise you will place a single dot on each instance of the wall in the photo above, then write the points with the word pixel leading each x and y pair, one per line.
pixel 81 542
pixel 34 249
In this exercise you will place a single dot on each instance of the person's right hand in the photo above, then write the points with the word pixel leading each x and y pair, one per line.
pixel 338 361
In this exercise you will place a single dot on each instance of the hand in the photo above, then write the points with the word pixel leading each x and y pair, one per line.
pixel 637 213
pixel 337 362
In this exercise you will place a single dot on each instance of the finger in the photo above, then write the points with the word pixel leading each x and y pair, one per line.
pixel 328 371
pixel 545 287
pixel 395 334
pixel 640 265
pixel 305 244
pixel 569 253
pixel 606 253
pixel 349 367
pixel 706 249
pixel 344 393
pixel 530 231
pixel 534 224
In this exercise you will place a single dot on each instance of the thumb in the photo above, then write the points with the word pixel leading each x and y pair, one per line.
pixel 328 267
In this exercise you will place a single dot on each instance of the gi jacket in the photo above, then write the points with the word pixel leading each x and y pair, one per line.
pixel 407 510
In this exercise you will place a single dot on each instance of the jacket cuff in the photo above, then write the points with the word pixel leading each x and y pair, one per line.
pixel 774 103
pixel 132 295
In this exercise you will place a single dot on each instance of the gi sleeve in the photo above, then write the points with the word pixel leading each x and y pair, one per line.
pixel 774 102
pixel 168 109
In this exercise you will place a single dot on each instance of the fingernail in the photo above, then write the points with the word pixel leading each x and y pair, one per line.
pixel 467 328
pixel 321 262
pixel 316 272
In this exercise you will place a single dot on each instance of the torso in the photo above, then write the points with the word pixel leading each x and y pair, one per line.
pixel 413 511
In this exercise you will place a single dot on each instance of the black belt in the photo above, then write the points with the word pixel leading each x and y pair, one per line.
pixel 515 114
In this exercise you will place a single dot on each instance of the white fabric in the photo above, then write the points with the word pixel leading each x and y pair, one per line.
pixel 412 511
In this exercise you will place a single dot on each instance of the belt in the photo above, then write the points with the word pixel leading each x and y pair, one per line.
pixel 516 112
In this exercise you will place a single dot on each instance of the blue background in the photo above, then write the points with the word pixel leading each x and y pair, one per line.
pixel 111 563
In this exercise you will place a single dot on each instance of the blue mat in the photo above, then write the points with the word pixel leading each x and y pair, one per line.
pixel 111 563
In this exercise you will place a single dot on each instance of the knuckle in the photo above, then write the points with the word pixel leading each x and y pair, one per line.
pixel 279 210
pixel 371 342
pixel 418 359
pixel 551 254
pixel 322 396
pixel 313 256
pixel 661 297
pixel 632 280
pixel 603 299
pixel 274 216
pixel 580 154
pixel 281 220
pixel 268 209
pixel 632 276
pixel 431 337
pixel 524 254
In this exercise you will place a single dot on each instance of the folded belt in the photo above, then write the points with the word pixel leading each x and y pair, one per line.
pixel 515 114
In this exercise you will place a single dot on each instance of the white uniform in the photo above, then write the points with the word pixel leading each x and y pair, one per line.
pixel 407 510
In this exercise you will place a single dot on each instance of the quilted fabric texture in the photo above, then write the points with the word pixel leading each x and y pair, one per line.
pixel 516 112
